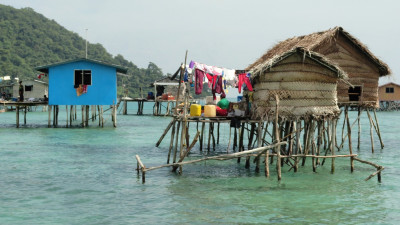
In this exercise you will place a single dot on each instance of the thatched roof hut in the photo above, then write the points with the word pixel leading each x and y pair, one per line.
pixel 305 83
pixel 362 67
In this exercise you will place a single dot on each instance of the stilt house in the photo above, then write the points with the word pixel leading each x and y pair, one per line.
pixel 33 89
pixel 363 68
pixel 82 82
pixel 304 83
pixel 389 92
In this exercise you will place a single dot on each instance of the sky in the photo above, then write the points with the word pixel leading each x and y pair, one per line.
pixel 224 33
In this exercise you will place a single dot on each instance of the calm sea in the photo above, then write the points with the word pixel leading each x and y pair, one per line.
pixel 87 176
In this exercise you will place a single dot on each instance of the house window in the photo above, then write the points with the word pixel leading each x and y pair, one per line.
pixel 82 77
pixel 355 93
pixel 28 87
pixel 389 90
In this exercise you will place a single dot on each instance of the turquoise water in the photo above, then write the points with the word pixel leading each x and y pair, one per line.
pixel 87 176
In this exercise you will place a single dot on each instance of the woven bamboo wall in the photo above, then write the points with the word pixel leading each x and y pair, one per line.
pixel 305 88
pixel 359 68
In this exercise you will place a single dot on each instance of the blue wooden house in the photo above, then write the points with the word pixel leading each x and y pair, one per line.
pixel 82 82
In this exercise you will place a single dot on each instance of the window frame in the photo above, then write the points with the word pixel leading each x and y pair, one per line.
pixel 29 86
pixel 389 90
pixel 83 77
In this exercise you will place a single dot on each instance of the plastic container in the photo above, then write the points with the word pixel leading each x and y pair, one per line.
pixel 195 110
pixel 210 111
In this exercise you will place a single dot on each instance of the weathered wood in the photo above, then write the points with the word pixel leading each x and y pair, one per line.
pixel 165 132
pixel 176 141
pixel 378 130
pixel 359 127
pixel 183 156
pixel 277 148
pixel 224 156
pixel 143 168
pixel 25 109
pixel 17 115
pixel 171 143
pixel 49 120
pixel 202 136
pixel 370 131
pixel 66 110
pixel 377 172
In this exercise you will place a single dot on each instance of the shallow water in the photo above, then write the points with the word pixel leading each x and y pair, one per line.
pixel 87 176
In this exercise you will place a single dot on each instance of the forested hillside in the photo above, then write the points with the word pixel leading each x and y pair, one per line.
pixel 28 39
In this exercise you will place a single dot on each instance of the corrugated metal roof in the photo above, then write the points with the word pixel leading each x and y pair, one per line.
pixel 45 68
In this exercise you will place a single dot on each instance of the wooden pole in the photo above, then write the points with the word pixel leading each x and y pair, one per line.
pixel 25 108
pixel 370 131
pixel 378 131
pixel 71 115
pixel 165 132
pixel 171 143
pixel 359 128
pixel 102 117
pixel 17 115
pixel 49 120
pixel 251 136
pixel 66 110
pixel 202 136
pixel 115 115
pixel 277 148
pixel 176 141
pixel 259 130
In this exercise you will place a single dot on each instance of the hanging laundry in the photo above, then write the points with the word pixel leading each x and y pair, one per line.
pixel 229 74
pixel 208 69
pixel 217 70
pixel 244 78
pixel 84 89
pixel 191 64
pixel 198 82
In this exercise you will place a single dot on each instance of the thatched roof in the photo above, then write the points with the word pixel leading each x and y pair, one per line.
pixel 313 41
pixel 262 66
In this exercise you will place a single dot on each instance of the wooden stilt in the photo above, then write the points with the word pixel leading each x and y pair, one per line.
pixel 235 139
pixel 378 131
pixel 251 136
pixel 345 117
pixel 57 111
pixel 25 109
pixel 171 143
pixel 297 149
pixel 212 135
pixel 66 110
pixel 102 117
pixel 176 141
pixel 259 130
pixel 218 133
pixel 209 137
pixel 332 137
pixel 370 131
pixel 359 128
pixel 202 136
pixel 266 163
pixel 83 116
pixel 17 115
pixel 165 132
pixel 49 120
pixel 71 115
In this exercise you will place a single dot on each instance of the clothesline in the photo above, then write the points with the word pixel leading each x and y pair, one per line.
pixel 218 79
